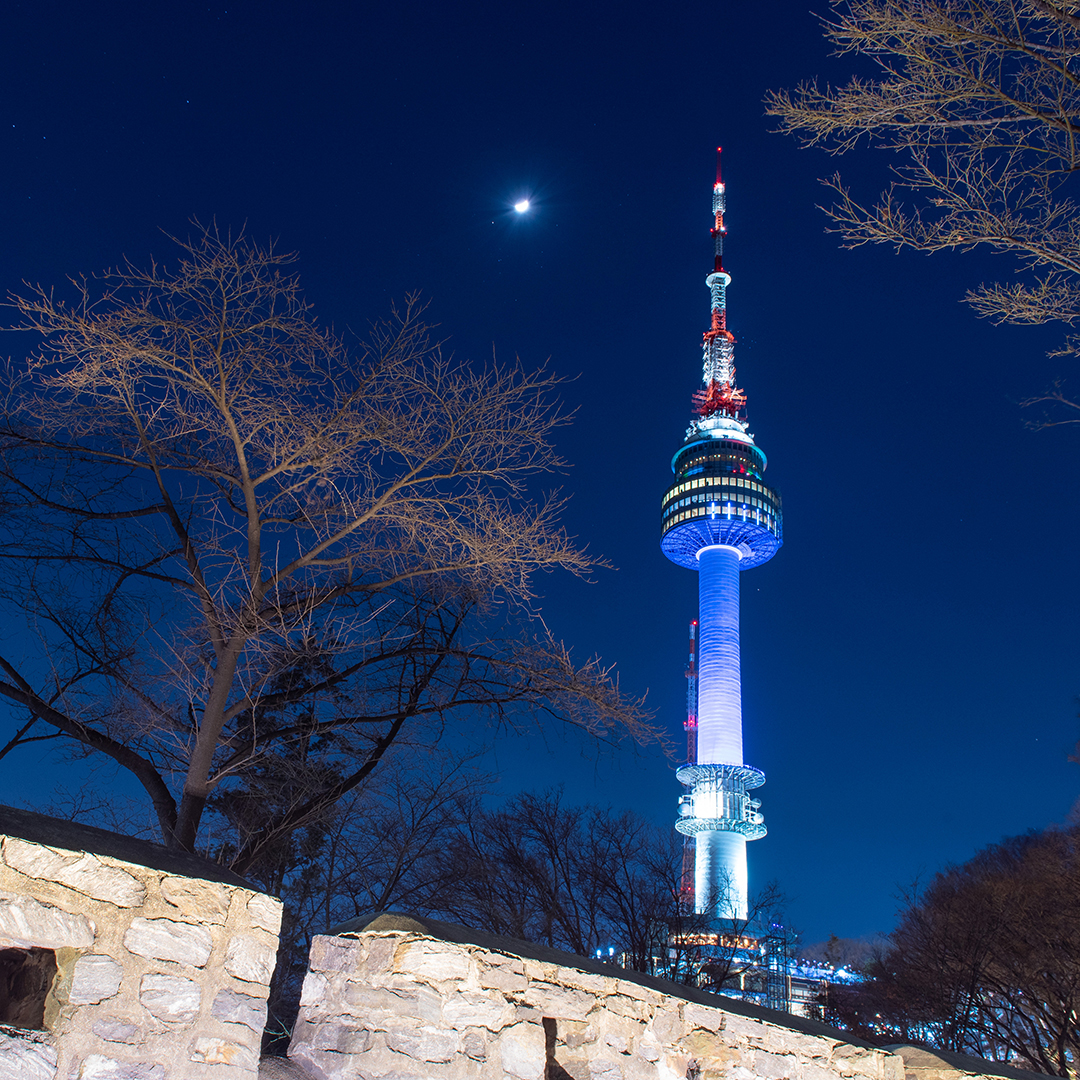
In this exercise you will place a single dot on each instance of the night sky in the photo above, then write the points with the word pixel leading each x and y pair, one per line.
pixel 910 658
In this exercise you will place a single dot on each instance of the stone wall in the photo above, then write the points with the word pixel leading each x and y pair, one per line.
pixel 922 1064
pixel 163 960
pixel 406 998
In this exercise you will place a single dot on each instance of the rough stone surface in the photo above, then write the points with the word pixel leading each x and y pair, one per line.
pixel 251 958
pixel 95 979
pixel 27 1056
pixel 425 1044
pixel 314 988
pixel 222 1052
pixel 80 871
pixel 399 1002
pixel 26 923
pixel 206 901
pixel 118 1031
pixel 523 1051
pixel 166 939
pixel 141 990
pixel 467 1010
pixel 265 913
pixel 234 1007
pixel 99 1067
pixel 431 963
pixel 170 998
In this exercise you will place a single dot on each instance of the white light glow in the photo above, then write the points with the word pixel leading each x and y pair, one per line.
pixel 522 206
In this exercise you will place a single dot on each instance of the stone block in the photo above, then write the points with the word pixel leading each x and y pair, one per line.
pixel 639 1068
pixel 876 1064
pixel 313 992
pixel 25 923
pixel 95 978
pixel 335 954
pixel 502 978
pixel 475 1045
pixel 600 985
pixel 384 1064
pixel 477 1010
pixel 265 913
pixel 232 1007
pixel 213 1051
pixel 494 959
pixel 559 1001
pixel 702 1016
pixel 170 998
pixel 740 1072
pixel 433 961
pixel 640 993
pixel 618 1032
pixel 99 1067
pixel 742 1028
pixel 113 1029
pixel 575 1033
pixel 250 958
pixel 30 1056
pixel 425 1044
pixel 777 1066
pixel 540 971
pixel 809 1071
pixel 627 1006
pixel 207 901
pixel 605 1069
pixel 381 1001
pixel 892 1068
pixel 783 1040
pixel 666 1024
pixel 342 1034
pixel 166 939
pixel 523 1050
pixel 83 872
pixel 707 1047
pixel 648 1049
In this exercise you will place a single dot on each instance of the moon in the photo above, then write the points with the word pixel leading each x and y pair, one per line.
pixel 521 206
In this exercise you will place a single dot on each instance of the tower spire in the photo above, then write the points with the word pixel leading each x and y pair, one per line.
pixel 719 395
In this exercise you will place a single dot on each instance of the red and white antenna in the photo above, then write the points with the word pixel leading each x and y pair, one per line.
pixel 720 395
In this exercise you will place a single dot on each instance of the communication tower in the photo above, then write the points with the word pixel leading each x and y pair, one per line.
pixel 719 517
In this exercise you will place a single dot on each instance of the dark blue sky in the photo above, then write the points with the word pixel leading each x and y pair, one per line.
pixel 910 657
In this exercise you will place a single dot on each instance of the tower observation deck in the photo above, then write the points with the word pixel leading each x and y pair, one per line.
pixel 719 517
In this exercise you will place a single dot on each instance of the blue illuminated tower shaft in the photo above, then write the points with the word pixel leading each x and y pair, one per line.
pixel 720 517
pixel 720 880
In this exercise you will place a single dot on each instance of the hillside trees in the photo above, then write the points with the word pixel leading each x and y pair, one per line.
pixel 583 878
pixel 979 107
pixel 985 961
pixel 252 558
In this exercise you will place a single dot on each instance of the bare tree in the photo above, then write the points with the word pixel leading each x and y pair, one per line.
pixel 984 961
pixel 251 557
pixel 979 103
pixel 588 878
pixel 382 847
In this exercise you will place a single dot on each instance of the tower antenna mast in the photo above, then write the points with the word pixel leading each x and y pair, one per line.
pixel 719 394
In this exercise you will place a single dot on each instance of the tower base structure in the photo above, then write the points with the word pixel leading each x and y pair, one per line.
pixel 720 813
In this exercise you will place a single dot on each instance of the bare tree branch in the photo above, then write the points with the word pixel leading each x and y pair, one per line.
pixel 979 103
pixel 250 554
